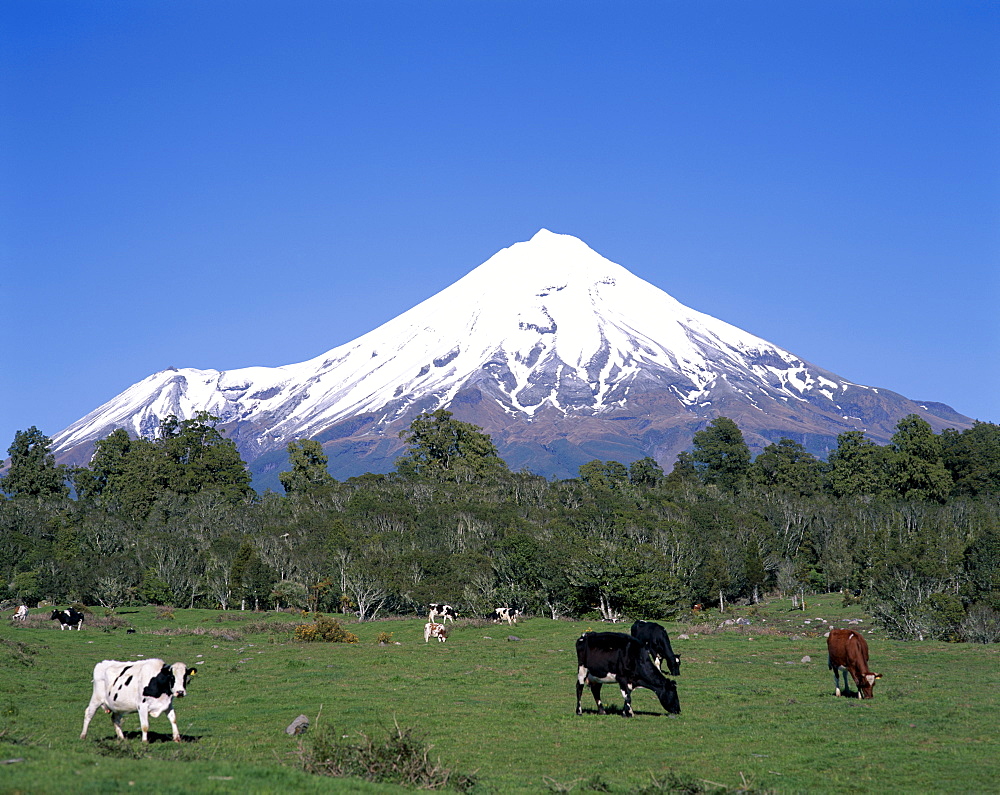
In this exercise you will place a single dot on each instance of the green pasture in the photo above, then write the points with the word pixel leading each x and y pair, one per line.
pixel 753 712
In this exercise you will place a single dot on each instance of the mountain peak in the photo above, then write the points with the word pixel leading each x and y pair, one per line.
pixel 558 352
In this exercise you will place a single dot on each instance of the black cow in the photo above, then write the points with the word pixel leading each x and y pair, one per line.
pixel 68 619
pixel 657 643
pixel 605 657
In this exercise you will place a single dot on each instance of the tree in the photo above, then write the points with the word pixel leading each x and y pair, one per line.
pixel 972 457
pixel 857 466
pixel 684 472
pixel 721 456
pixel 443 448
pixel 126 475
pixel 917 471
pixel 33 470
pixel 198 458
pixel 645 472
pixel 603 474
pixel 787 465
pixel 308 471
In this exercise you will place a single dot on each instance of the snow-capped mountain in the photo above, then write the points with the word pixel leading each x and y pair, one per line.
pixel 562 355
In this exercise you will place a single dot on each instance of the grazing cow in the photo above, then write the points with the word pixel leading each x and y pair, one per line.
pixel 848 652
pixel 604 657
pixel 21 614
pixel 148 687
pixel 432 630
pixel 68 619
pixel 508 614
pixel 657 643
pixel 445 611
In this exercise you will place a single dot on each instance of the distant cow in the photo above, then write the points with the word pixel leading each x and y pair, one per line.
pixel 604 657
pixel 508 614
pixel 445 611
pixel 68 619
pixel 432 630
pixel 21 614
pixel 657 643
pixel 848 652
pixel 148 687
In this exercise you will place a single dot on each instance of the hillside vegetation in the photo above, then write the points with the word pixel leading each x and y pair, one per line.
pixel 911 529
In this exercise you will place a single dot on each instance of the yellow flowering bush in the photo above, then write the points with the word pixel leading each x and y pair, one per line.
pixel 325 629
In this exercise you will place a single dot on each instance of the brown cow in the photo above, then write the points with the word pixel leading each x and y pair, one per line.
pixel 848 652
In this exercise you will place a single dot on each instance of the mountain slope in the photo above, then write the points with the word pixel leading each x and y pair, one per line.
pixel 559 353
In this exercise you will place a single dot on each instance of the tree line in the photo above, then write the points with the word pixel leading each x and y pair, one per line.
pixel 911 527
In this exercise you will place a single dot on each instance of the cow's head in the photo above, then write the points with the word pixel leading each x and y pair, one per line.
pixel 56 614
pixel 866 684
pixel 674 664
pixel 181 675
pixel 668 697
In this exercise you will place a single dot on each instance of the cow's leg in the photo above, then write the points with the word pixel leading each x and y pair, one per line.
pixel 627 697
pixel 173 724
pixel 581 679
pixel 88 715
pixel 595 688
pixel 116 719
pixel 144 721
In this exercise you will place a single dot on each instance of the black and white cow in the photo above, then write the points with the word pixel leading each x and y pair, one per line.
pixel 604 657
pixel 68 619
pixel 148 687
pixel 21 614
pixel 508 614
pixel 657 643
pixel 445 611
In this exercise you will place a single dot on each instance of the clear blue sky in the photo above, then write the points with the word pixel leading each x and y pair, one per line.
pixel 224 184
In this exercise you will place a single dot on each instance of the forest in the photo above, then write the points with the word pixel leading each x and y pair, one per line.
pixel 911 529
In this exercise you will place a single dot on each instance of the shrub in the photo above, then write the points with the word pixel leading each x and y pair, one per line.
pixel 325 629
pixel 165 613
pixel 384 638
pixel 401 758
pixel 981 625
pixel 306 632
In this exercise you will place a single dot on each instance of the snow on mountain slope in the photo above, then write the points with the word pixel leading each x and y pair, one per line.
pixel 546 324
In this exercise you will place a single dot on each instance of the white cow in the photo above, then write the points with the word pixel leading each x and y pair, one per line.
pixel 21 614
pixel 148 687
pixel 432 630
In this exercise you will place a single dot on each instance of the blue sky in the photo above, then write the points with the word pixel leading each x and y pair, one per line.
pixel 228 184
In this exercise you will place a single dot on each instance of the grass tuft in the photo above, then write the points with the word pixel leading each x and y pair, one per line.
pixel 119 749
pixel 691 785
pixel 21 653
pixel 401 758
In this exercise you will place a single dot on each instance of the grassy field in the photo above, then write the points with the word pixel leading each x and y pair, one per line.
pixel 754 711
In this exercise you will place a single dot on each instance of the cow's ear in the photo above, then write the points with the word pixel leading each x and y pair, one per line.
pixel 878 676
pixel 192 671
